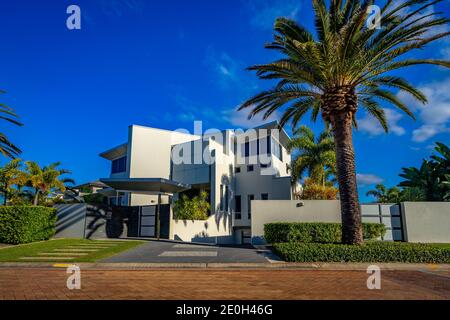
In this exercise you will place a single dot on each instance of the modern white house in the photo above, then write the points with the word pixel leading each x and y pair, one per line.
pixel 235 167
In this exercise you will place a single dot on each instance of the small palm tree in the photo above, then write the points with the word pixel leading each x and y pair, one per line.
pixel 7 148
pixel 46 179
pixel 315 155
pixel 344 66
pixel 11 174
pixel 386 195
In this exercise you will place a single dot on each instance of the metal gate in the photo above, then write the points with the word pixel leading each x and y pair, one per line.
pixel 147 221
pixel 387 214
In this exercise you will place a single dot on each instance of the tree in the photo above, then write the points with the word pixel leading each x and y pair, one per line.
pixel 385 195
pixel 315 156
pixel 314 191
pixel 7 148
pixel 192 209
pixel 11 174
pixel 432 178
pixel 345 65
pixel 46 179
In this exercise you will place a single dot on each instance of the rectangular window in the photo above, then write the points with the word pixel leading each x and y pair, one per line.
pixel 237 170
pixel 263 165
pixel 119 165
pixel 226 198
pixel 247 149
pixel 221 198
pixel 250 197
pixel 237 207
pixel 264 196
pixel 250 168
pixel 276 149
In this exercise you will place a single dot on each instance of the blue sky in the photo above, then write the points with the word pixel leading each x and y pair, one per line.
pixel 165 64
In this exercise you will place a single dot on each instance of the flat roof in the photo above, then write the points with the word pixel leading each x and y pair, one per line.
pixel 156 185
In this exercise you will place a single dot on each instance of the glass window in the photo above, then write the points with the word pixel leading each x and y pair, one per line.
pixel 250 197
pixel 237 207
pixel 226 198
pixel 237 169
pixel 250 168
pixel 221 198
pixel 276 149
pixel 264 196
pixel 119 165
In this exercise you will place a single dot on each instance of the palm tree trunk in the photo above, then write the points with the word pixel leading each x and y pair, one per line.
pixel 36 198
pixel 345 162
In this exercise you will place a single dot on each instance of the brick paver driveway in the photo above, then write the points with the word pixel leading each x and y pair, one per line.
pixel 50 283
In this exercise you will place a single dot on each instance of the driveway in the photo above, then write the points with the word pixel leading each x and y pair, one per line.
pixel 182 252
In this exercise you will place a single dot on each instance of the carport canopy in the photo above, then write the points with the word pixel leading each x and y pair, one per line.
pixel 150 185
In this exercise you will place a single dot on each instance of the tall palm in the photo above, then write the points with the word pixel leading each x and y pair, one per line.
pixel 11 174
pixel 344 66
pixel 46 179
pixel 315 155
pixel 7 148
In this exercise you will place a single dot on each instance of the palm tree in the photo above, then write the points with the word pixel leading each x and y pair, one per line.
pixel 386 195
pixel 316 155
pixel 343 67
pixel 46 179
pixel 7 148
pixel 11 174
pixel 432 178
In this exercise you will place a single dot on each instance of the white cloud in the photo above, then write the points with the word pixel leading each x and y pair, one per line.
pixel 264 12
pixel 364 179
pixel 371 125
pixel 435 115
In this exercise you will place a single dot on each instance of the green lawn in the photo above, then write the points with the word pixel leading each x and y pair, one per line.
pixel 64 248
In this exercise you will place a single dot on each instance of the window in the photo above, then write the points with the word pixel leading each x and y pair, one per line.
pixel 264 196
pixel 264 165
pixel 276 149
pixel 119 165
pixel 237 170
pixel 250 168
pixel 237 207
pixel 247 149
pixel 226 198
pixel 250 197
pixel 221 198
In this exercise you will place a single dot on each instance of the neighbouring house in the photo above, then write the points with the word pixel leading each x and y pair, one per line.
pixel 89 187
pixel 155 166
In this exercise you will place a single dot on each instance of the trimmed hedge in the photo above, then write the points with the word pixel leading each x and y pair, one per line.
pixel 23 224
pixel 368 252
pixel 318 232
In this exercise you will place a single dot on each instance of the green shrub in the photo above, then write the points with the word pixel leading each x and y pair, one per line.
pixel 23 224
pixel 368 252
pixel 95 198
pixel 319 232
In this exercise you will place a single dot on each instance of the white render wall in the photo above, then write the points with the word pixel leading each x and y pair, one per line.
pixel 426 221
pixel 216 229
pixel 290 211
pixel 149 151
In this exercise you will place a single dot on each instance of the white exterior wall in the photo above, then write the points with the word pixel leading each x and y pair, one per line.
pixel 213 230
pixel 150 151
pixel 426 221
pixel 290 211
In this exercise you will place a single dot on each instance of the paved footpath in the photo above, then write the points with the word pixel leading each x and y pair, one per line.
pixel 216 283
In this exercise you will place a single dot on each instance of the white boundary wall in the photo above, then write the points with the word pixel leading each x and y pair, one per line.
pixel 266 211
pixel 426 221
pixel 216 229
